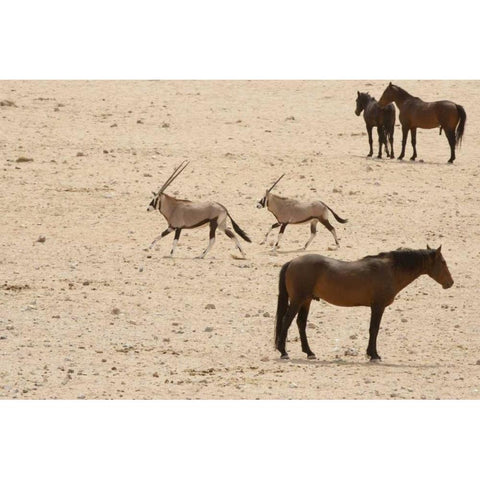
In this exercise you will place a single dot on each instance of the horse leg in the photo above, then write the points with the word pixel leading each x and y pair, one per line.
pixel 286 322
pixel 375 318
pixel 163 234
pixel 175 240
pixel 282 229
pixel 451 141
pixel 370 140
pixel 404 141
pixel 313 232
pixel 381 141
pixel 414 143
pixel 275 225
pixel 331 229
pixel 302 329
pixel 390 136
pixel 213 227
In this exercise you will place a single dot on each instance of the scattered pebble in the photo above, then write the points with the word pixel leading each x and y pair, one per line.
pixel 208 329
pixel 115 311
pixel 24 159
pixel 210 306
pixel 41 239
pixel 266 314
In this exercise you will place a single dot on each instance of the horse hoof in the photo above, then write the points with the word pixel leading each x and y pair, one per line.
pixel 375 360
pixel 312 356
pixel 285 357
pixel 451 161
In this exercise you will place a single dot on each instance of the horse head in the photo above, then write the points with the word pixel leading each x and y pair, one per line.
pixel 388 95
pixel 438 269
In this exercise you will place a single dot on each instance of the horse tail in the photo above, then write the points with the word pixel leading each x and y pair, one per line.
pixel 461 125
pixel 238 229
pixel 440 132
pixel 337 218
pixel 282 304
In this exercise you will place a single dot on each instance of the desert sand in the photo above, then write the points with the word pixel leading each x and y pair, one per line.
pixel 87 313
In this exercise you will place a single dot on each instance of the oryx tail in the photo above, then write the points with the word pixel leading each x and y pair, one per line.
pixel 337 218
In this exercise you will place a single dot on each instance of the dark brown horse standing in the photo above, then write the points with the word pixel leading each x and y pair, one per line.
pixel 415 113
pixel 376 116
pixel 373 282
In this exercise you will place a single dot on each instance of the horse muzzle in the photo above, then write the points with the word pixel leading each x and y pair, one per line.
pixel 448 284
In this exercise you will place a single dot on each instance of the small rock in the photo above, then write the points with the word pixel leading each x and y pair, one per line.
pixel 81 397
pixel 478 362
pixel 155 375
pixel 210 306
pixel 105 151
pixel 116 311
pixel 165 125
pixel 264 359
pixel 351 352
pixel 140 121
pixel 113 125
pixel 354 336
pixel 80 154
pixel 266 314
pixel 208 329
pixel 24 159
pixel 293 385
pixel 41 239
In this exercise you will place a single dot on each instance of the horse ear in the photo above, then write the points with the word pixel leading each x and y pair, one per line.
pixel 154 193
pixel 390 84
pixel 439 249
pixel 428 247
pixel 358 93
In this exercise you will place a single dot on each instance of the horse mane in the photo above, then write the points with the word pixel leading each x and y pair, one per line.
pixel 405 258
pixel 403 91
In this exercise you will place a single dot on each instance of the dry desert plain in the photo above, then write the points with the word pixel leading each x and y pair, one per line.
pixel 87 312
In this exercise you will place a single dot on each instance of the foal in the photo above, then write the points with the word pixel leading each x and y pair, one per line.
pixel 376 116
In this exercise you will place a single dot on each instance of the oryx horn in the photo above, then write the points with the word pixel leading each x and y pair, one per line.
pixel 174 175
pixel 271 188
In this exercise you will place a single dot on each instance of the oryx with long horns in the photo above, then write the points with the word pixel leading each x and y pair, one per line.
pixel 182 214
pixel 290 211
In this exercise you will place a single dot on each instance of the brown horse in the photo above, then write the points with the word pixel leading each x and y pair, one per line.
pixel 376 116
pixel 373 282
pixel 415 113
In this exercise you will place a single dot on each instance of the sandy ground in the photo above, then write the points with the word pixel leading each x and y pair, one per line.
pixel 88 313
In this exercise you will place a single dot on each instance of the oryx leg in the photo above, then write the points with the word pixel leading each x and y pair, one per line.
pixel 175 240
pixel 163 234
pixel 213 228
pixel 283 226
pixel 275 225
pixel 313 232
pixel 330 228
pixel 231 235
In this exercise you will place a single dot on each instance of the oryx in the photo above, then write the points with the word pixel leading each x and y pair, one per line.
pixel 182 214
pixel 288 211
